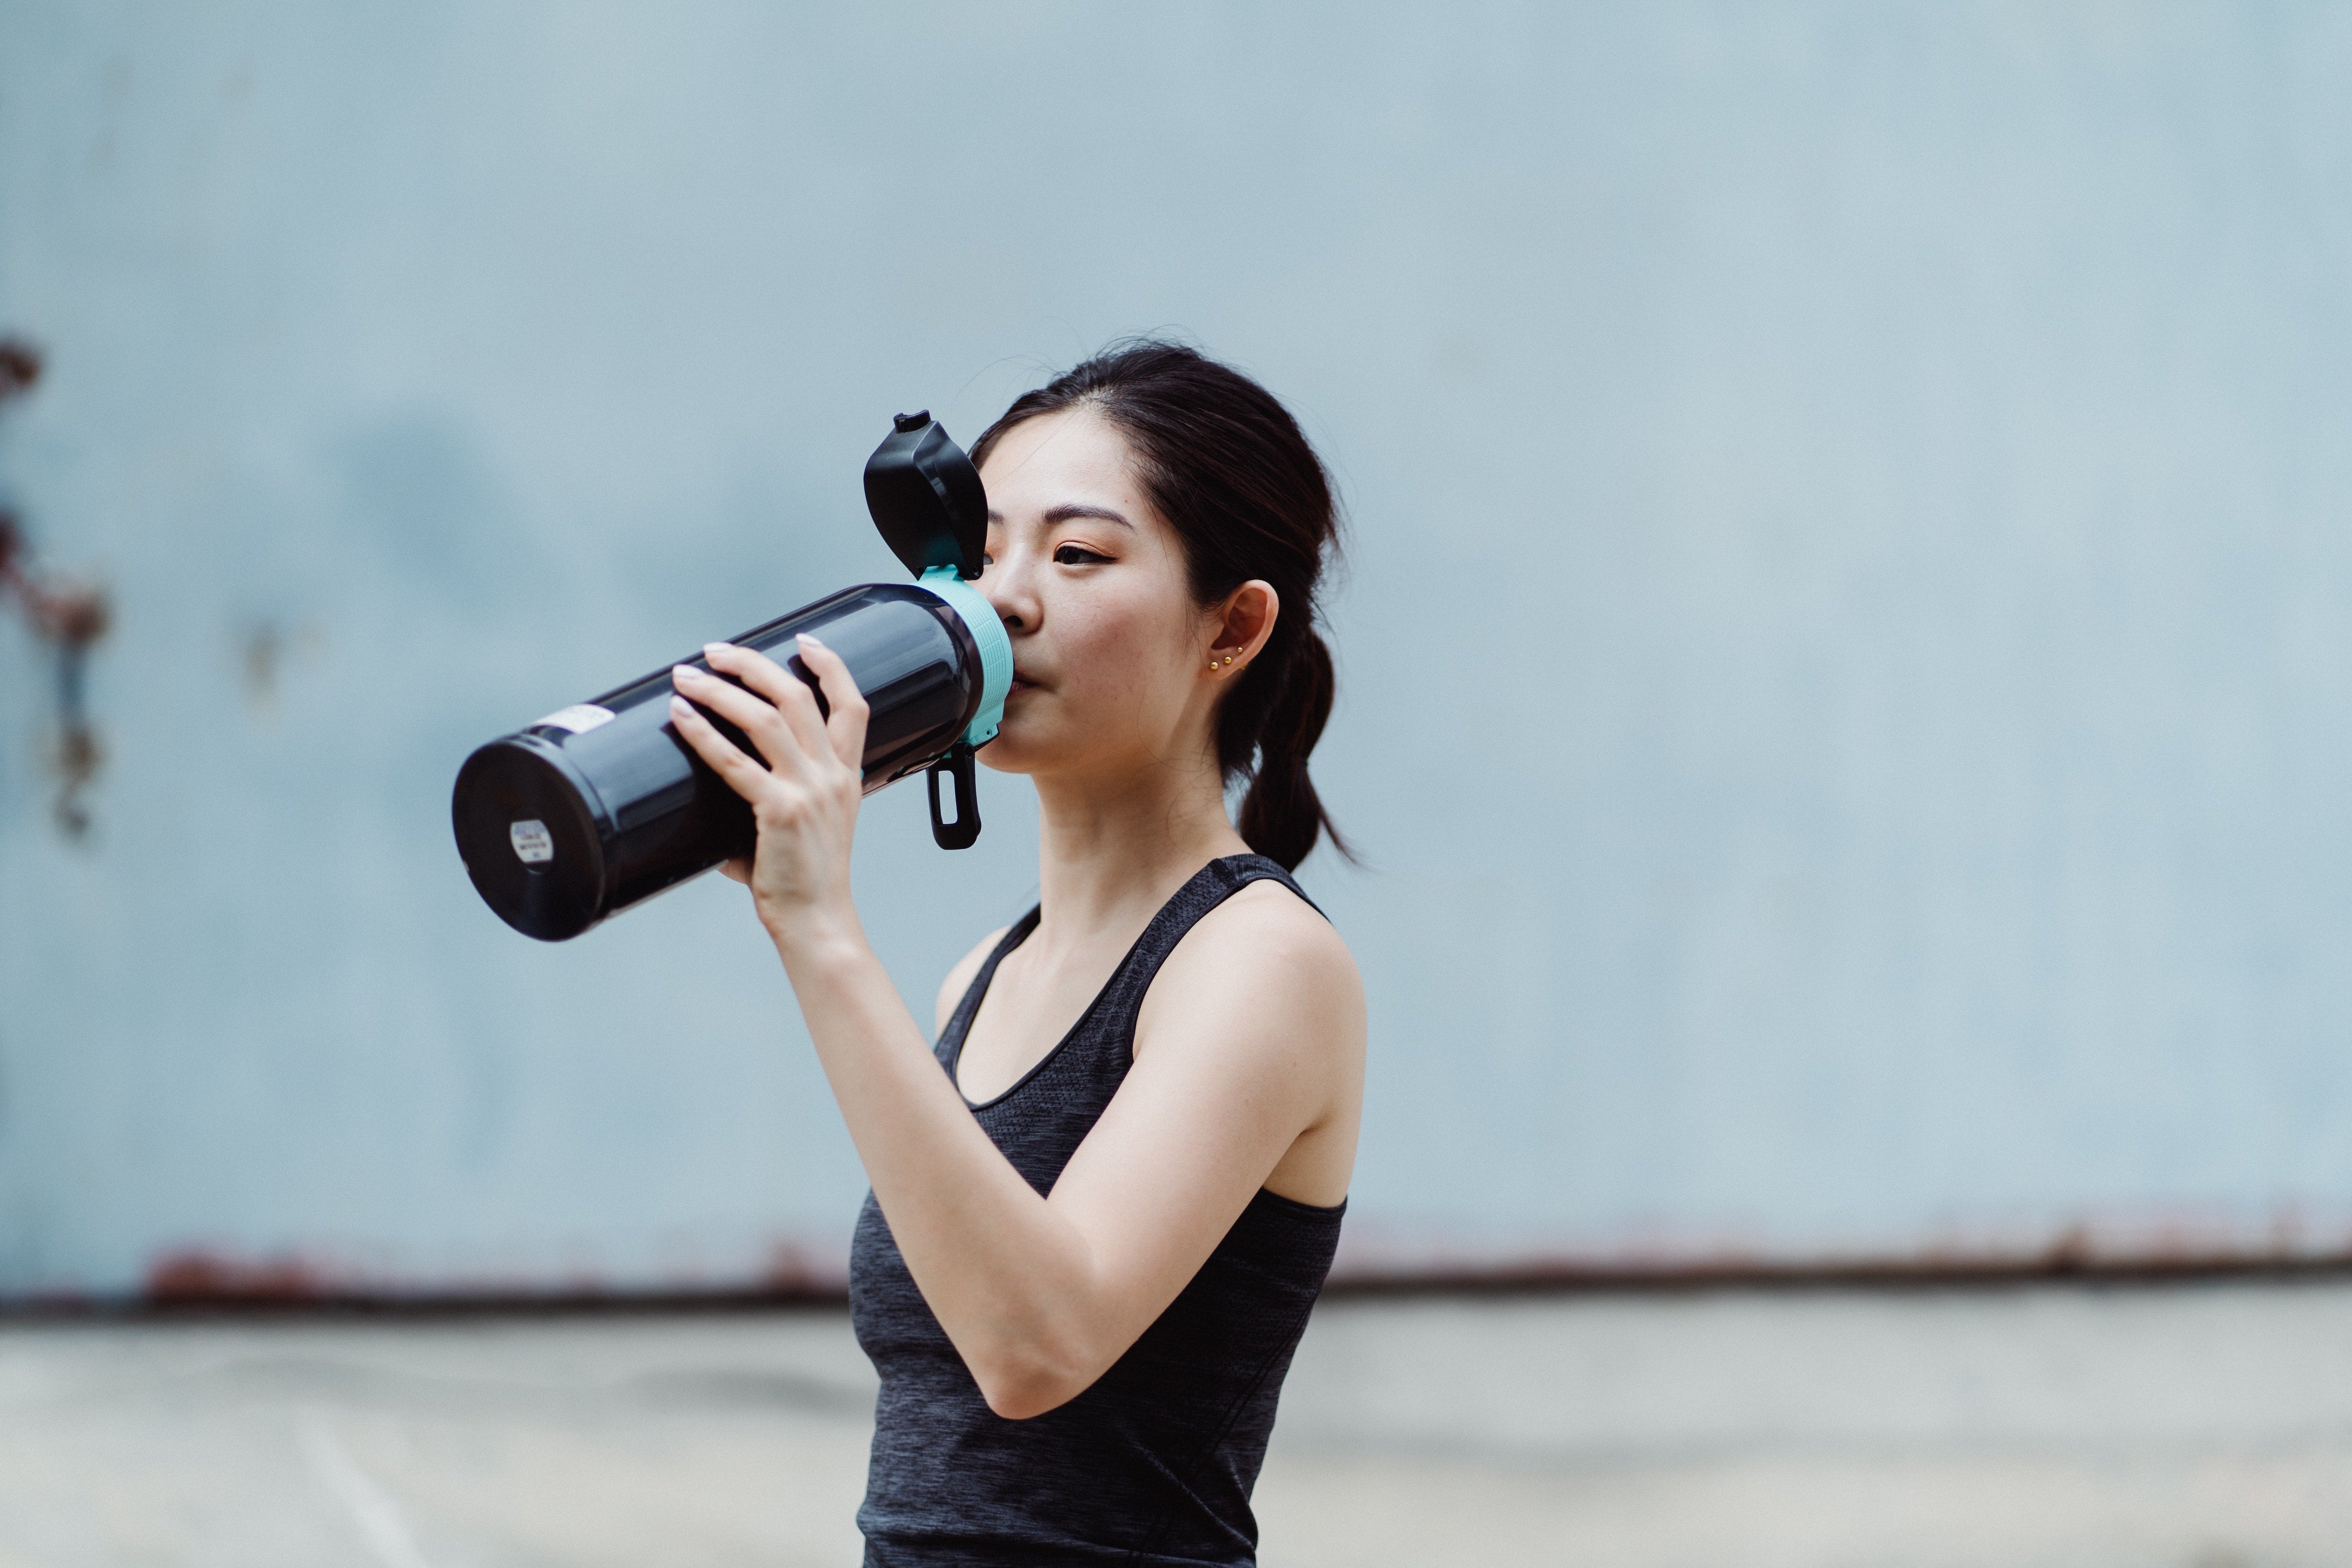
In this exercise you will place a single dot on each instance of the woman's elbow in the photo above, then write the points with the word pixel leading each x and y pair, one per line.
pixel 1023 1386
pixel 1023 1401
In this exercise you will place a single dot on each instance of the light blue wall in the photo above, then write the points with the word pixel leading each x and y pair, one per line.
pixel 1845 664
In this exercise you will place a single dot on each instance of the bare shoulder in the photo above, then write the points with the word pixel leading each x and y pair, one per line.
pixel 1267 950
pixel 959 980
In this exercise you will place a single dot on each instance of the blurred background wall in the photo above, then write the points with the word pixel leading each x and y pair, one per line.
pixel 1845 665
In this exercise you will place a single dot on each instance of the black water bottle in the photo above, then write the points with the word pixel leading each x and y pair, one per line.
pixel 601 805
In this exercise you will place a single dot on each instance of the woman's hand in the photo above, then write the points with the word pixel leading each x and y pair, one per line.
pixel 804 801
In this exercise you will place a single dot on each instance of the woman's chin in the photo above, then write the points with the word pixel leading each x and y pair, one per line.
pixel 1006 755
pixel 1022 743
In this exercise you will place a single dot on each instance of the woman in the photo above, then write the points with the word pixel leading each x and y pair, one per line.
pixel 1093 1239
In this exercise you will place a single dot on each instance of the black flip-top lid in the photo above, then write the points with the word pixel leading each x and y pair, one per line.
pixel 926 498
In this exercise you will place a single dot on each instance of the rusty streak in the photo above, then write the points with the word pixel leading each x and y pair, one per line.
pixel 69 616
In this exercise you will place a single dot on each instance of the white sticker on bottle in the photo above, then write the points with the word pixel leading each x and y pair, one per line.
pixel 533 844
pixel 580 718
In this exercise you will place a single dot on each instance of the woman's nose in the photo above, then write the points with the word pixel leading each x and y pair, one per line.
pixel 1006 588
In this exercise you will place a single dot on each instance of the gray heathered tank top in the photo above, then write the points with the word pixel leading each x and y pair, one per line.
pixel 1153 1464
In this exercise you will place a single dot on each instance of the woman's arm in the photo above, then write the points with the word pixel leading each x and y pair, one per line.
pixel 1255 1042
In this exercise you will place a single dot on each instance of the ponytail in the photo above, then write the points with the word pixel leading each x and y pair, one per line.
pixel 1229 469
pixel 1282 816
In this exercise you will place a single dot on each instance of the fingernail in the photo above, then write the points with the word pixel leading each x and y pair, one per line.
pixel 811 642
pixel 680 706
pixel 711 647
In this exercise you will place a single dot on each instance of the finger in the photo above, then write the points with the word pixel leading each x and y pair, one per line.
pixel 847 726
pixel 737 869
pixel 744 710
pixel 788 692
pixel 741 774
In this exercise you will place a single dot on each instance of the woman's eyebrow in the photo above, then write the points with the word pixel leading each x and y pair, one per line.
pixel 1067 514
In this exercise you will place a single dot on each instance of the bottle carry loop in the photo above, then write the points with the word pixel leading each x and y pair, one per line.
pixel 956 765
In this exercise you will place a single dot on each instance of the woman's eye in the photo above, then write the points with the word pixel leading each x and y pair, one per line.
pixel 1075 555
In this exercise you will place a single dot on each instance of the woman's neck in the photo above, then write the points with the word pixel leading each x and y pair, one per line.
pixel 1112 849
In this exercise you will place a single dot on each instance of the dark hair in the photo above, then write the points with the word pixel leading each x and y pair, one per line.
pixel 1230 471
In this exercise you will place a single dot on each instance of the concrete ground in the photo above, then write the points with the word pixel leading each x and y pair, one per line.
pixel 2203 1426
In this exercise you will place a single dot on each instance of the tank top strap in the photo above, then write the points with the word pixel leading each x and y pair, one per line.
pixel 1122 997
pixel 951 1039
pixel 1115 1010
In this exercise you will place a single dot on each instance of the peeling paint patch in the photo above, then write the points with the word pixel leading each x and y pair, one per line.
pixel 266 653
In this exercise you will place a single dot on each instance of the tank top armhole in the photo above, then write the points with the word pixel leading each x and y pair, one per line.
pixel 1318 1211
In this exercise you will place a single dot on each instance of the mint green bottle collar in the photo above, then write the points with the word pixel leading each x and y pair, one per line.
pixel 995 648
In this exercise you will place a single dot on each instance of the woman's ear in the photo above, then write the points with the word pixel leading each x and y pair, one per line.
pixel 1239 628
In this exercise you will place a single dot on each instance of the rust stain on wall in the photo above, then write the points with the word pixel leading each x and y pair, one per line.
pixel 2151 1245
pixel 69 616
pixel 195 1276
pixel 799 1272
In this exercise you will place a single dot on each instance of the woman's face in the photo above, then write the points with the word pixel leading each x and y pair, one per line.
pixel 1109 649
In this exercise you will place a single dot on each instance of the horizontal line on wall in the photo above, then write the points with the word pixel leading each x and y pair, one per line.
pixel 2147 1248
